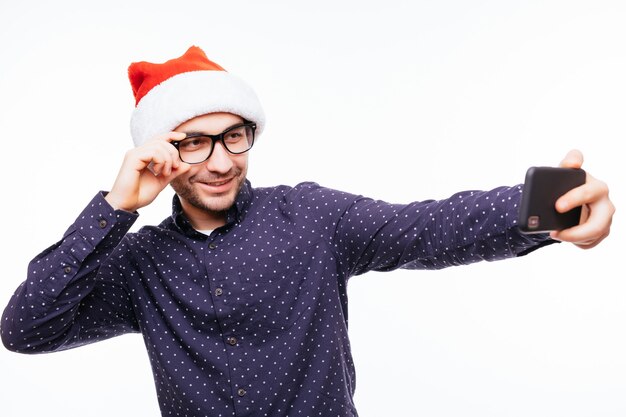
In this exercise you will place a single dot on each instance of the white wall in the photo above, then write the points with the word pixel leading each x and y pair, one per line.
pixel 478 90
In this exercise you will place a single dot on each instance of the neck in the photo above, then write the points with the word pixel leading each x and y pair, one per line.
pixel 202 219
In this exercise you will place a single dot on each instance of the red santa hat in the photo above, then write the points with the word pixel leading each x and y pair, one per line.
pixel 169 94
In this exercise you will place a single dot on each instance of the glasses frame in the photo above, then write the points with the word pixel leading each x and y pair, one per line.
pixel 215 138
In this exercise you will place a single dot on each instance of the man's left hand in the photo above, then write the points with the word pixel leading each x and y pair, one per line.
pixel 597 208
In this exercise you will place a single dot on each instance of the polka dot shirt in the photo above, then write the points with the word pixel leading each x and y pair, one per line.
pixel 251 320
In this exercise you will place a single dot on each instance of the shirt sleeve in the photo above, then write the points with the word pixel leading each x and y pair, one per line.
pixel 63 303
pixel 468 227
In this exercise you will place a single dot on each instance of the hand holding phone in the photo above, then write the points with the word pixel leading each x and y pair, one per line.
pixel 542 187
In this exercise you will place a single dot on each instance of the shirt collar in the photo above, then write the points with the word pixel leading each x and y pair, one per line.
pixel 235 214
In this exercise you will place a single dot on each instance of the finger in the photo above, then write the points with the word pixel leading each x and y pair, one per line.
pixel 176 136
pixel 157 155
pixel 573 159
pixel 168 160
pixel 174 155
pixel 165 161
pixel 182 168
pixel 165 141
pixel 173 158
pixel 160 160
pixel 592 243
pixel 590 192
pixel 167 168
pixel 166 179
pixel 595 228
pixel 169 137
pixel 587 243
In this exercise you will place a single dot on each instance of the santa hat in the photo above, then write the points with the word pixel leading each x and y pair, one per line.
pixel 169 94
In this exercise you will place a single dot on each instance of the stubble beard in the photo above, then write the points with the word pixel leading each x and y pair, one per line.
pixel 214 204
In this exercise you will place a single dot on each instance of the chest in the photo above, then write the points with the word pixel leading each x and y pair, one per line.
pixel 250 284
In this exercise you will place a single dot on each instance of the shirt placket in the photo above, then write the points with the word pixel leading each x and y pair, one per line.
pixel 226 296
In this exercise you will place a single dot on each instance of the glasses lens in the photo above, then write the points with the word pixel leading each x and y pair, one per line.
pixel 195 149
pixel 239 139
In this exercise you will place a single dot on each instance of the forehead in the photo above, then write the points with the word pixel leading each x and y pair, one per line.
pixel 212 123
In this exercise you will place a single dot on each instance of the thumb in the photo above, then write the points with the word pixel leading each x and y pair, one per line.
pixel 573 159
pixel 180 170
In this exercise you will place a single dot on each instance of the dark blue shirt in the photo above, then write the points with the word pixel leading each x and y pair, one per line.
pixel 253 319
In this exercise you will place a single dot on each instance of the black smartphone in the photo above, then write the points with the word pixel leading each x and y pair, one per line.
pixel 542 187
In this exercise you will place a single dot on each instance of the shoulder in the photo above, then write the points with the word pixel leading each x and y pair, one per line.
pixel 307 198
pixel 308 191
pixel 284 189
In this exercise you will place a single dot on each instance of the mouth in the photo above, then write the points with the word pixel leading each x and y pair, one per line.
pixel 217 187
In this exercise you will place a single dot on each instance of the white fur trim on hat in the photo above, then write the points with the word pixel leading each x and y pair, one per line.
pixel 190 94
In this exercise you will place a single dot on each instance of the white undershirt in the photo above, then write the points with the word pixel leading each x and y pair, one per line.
pixel 206 232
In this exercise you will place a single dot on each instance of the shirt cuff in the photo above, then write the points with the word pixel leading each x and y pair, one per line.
pixel 99 220
pixel 521 244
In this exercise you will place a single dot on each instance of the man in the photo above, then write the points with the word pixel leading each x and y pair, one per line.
pixel 240 295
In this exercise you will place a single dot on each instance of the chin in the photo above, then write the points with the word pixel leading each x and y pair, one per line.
pixel 216 203
pixel 203 201
pixel 191 188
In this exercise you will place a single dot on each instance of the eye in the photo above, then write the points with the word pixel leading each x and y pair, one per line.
pixel 235 135
pixel 194 143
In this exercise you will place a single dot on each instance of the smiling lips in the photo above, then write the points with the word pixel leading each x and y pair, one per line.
pixel 217 186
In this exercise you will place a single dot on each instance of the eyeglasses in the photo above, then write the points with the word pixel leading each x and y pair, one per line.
pixel 198 147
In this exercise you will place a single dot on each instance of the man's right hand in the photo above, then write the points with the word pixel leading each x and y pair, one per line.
pixel 145 172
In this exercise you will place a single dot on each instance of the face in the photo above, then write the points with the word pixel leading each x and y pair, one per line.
pixel 210 188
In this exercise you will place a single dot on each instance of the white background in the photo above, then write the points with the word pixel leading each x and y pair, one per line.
pixel 476 90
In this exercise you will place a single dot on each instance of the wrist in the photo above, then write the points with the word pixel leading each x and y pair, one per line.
pixel 116 204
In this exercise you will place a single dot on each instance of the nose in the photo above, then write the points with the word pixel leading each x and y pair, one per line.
pixel 220 160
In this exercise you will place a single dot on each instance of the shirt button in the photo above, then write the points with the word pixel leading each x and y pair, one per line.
pixel 232 341
pixel 102 223
pixel 241 392
pixel 212 246
pixel 67 269
pixel 219 291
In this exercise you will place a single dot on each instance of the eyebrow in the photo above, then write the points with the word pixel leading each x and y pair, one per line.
pixel 195 133
pixel 199 133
